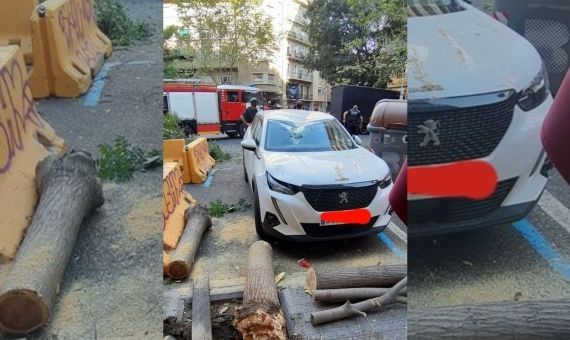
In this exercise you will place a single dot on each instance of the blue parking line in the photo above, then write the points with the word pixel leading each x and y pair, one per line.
pixel 209 179
pixel 392 246
pixel 543 247
pixel 94 94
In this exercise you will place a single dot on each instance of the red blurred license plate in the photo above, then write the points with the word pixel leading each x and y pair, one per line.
pixel 355 216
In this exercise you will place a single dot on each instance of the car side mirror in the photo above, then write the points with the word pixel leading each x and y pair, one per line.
pixel 357 140
pixel 249 144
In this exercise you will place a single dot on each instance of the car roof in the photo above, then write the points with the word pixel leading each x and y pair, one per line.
pixel 297 116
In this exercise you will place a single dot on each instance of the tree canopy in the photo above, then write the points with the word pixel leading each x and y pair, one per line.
pixel 223 34
pixel 357 42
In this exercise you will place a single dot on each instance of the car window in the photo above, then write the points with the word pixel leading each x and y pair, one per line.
pixel 233 96
pixel 420 8
pixel 323 135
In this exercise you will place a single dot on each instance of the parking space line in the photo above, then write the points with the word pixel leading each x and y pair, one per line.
pixel 555 209
pixel 392 246
pixel 542 246
pixel 209 179
pixel 94 94
pixel 398 232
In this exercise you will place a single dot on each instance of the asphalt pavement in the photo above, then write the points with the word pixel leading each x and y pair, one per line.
pixel 223 252
pixel 526 260
pixel 112 284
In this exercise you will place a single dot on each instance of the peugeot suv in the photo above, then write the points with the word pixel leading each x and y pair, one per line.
pixel 477 91
pixel 311 180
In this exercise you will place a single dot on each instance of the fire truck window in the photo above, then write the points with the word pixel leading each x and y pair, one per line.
pixel 233 97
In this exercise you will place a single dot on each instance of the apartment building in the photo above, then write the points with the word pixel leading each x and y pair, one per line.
pixel 283 78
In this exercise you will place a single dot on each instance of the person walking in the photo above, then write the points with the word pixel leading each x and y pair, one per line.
pixel 247 116
pixel 352 120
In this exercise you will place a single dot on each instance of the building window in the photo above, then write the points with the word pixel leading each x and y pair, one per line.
pixel 233 96
pixel 257 77
pixel 225 79
pixel 320 90
pixel 271 78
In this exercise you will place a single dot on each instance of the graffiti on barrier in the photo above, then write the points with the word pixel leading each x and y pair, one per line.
pixel 172 188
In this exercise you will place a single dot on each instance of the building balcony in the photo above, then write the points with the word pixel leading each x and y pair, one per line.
pixel 300 75
pixel 295 55
pixel 297 37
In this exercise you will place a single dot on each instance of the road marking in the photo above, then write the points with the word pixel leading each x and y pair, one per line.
pixel 94 94
pixel 398 232
pixel 542 246
pixel 209 179
pixel 555 209
pixel 392 246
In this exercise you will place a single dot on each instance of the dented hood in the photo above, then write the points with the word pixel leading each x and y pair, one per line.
pixel 325 168
pixel 466 53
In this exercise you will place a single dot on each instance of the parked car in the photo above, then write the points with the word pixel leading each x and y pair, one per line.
pixel 302 165
pixel 477 91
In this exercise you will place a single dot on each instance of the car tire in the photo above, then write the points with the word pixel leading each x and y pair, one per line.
pixel 257 214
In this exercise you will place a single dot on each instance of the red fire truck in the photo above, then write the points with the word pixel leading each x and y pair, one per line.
pixel 209 109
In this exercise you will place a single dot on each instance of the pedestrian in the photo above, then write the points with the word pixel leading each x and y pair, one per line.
pixel 352 120
pixel 247 116
pixel 299 105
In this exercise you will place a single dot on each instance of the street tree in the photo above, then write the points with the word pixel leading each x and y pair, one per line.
pixel 226 33
pixel 357 42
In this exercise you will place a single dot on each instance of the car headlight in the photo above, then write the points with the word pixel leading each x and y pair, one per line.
pixel 281 187
pixel 385 182
pixel 536 93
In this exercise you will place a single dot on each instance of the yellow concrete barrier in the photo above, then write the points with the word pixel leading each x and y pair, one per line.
pixel 25 139
pixel 174 204
pixel 198 160
pixel 74 47
pixel 173 151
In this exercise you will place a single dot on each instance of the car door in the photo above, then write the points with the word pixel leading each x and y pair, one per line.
pixel 250 157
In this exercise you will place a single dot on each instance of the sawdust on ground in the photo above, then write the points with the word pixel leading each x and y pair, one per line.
pixel 239 230
pixel 137 220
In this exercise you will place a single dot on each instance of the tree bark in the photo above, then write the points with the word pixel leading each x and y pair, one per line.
pixel 182 258
pixel 372 276
pixel 549 319
pixel 201 319
pixel 69 190
pixel 351 294
pixel 260 317
pixel 348 309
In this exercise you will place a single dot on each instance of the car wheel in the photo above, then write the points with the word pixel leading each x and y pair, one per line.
pixel 257 213
pixel 244 169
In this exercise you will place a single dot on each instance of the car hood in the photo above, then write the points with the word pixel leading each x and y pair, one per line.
pixel 466 53
pixel 325 168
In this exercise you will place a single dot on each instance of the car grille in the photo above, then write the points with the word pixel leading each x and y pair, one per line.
pixel 316 230
pixel 469 127
pixel 331 199
pixel 444 210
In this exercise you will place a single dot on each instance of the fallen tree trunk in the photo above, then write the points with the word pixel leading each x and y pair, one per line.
pixel 69 190
pixel 351 294
pixel 260 316
pixel 348 309
pixel 182 258
pixel 372 276
pixel 173 314
pixel 548 319
pixel 201 318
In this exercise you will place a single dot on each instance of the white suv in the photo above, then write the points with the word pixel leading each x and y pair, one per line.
pixel 303 165
pixel 484 90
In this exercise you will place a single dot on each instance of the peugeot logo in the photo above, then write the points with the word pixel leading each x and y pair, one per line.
pixel 430 130
pixel 343 197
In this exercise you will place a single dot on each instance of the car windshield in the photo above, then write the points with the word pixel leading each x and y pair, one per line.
pixel 420 8
pixel 321 135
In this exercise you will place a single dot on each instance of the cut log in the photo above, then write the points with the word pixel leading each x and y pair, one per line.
pixel 348 309
pixel 182 258
pixel 372 276
pixel 260 316
pixel 69 190
pixel 548 319
pixel 173 313
pixel 351 294
pixel 201 319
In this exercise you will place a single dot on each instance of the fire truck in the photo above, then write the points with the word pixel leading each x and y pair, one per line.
pixel 209 109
